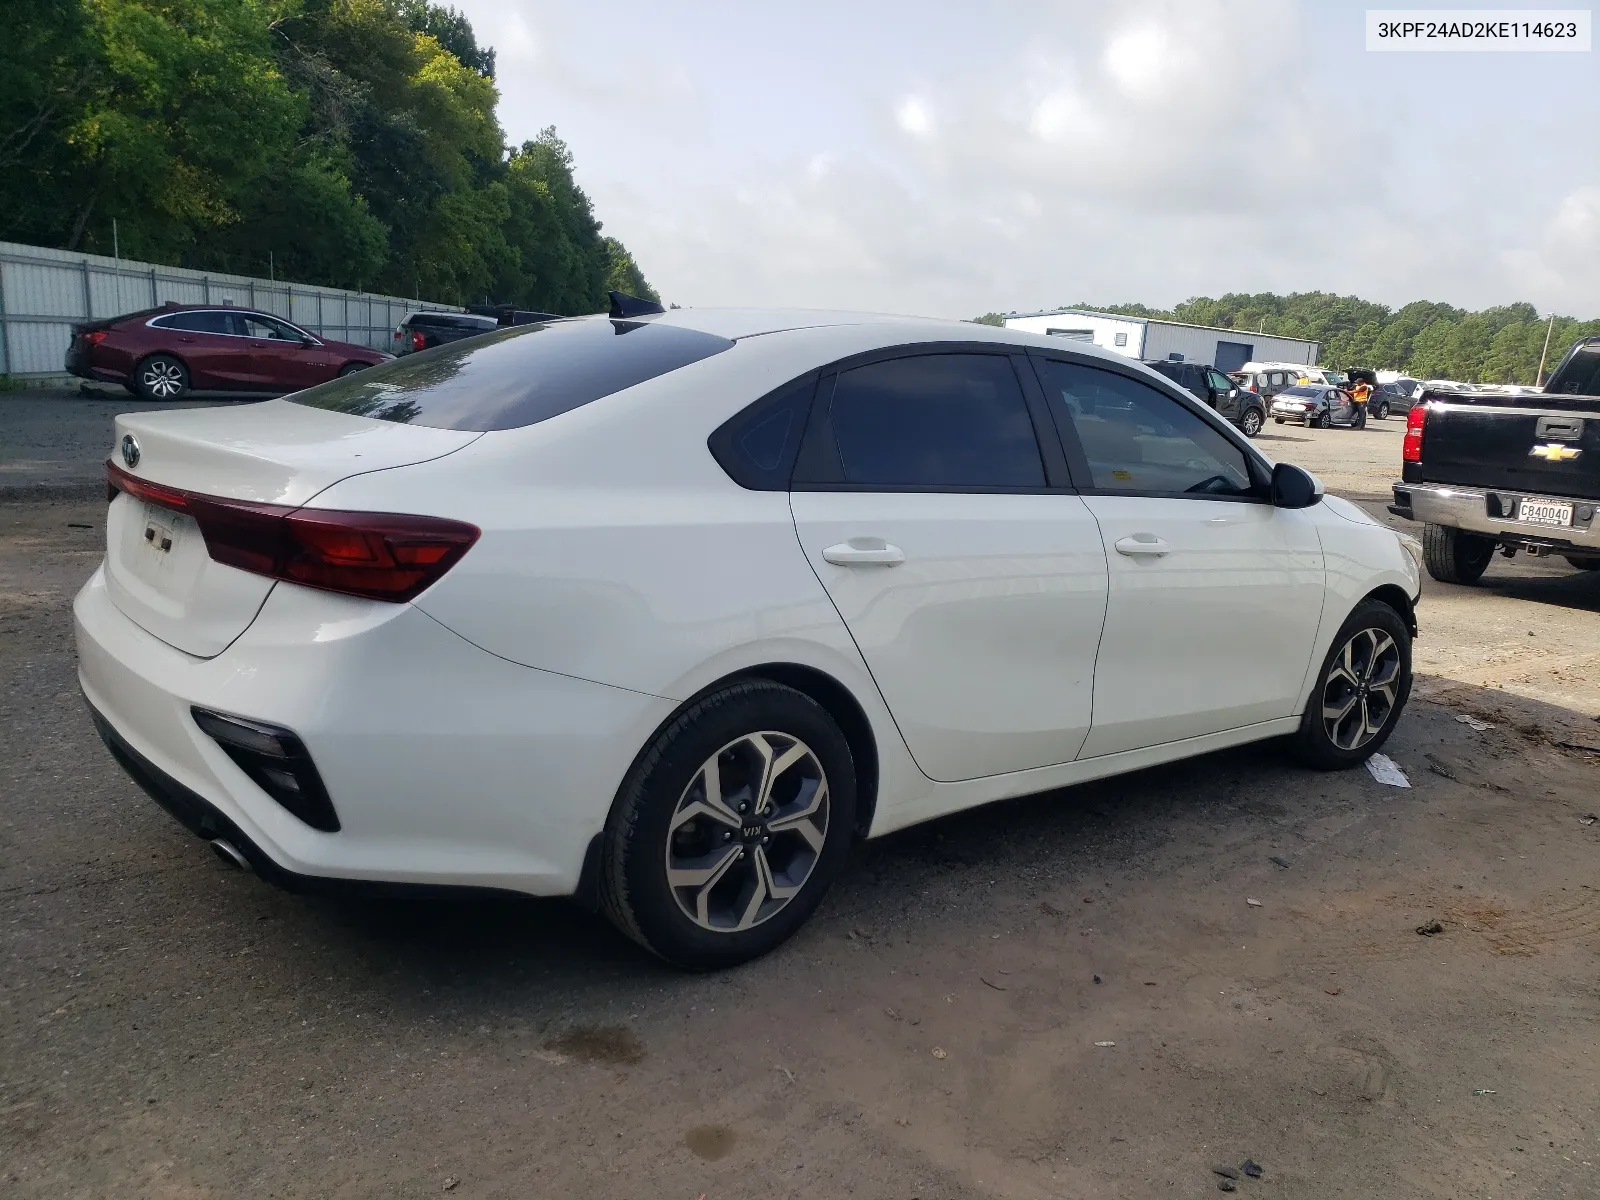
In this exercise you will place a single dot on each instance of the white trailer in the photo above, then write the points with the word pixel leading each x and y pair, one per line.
pixel 1146 339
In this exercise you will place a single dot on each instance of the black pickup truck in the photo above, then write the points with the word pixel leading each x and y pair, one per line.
pixel 1507 472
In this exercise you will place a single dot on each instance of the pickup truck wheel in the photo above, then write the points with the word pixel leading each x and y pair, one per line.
pixel 1584 564
pixel 1454 556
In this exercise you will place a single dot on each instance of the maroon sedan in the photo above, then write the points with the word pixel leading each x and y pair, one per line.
pixel 163 353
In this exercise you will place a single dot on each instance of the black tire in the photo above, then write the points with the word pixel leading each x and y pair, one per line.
pixel 1584 564
pixel 1250 422
pixel 352 368
pixel 1324 420
pixel 1381 412
pixel 1354 680
pixel 634 890
pixel 1454 556
pixel 161 377
pixel 1277 420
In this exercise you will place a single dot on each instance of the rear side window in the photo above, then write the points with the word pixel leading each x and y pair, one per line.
pixel 1137 439
pixel 516 376
pixel 199 322
pixel 935 420
pixel 757 448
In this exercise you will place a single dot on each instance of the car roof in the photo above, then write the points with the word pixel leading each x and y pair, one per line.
pixel 890 329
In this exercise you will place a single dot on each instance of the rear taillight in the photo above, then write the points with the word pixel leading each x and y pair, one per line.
pixel 1411 448
pixel 95 338
pixel 418 342
pixel 382 556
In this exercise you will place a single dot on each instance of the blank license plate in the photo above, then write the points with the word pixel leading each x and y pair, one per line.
pixel 1544 512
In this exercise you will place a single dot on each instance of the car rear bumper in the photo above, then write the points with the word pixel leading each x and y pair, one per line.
pixel 447 766
pixel 1471 508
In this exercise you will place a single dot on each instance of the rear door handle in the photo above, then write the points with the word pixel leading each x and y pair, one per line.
pixel 864 552
pixel 1142 545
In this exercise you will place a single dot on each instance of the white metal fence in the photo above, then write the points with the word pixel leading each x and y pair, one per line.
pixel 44 293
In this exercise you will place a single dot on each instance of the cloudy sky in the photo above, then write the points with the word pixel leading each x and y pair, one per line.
pixel 955 158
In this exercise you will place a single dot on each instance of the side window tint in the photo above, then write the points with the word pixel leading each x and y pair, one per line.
pixel 936 420
pixel 757 447
pixel 266 328
pixel 1138 440
pixel 201 322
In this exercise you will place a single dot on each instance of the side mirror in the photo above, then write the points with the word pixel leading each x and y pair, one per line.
pixel 1293 487
pixel 1233 393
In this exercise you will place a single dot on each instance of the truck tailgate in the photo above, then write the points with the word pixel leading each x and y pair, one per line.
pixel 1547 445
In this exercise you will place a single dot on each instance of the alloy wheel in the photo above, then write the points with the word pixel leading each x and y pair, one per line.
pixel 164 379
pixel 747 832
pixel 1250 422
pixel 1361 688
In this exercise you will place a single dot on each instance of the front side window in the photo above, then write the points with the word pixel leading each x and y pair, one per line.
pixel 935 420
pixel 1221 382
pixel 258 326
pixel 1137 439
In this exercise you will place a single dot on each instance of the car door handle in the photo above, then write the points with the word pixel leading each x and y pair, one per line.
pixel 864 552
pixel 1142 545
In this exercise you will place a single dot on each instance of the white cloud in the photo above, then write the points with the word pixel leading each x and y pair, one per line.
pixel 1148 150
pixel 915 117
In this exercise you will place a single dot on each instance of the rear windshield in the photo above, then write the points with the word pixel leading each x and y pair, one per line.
pixel 450 321
pixel 516 376
pixel 1580 374
pixel 1301 391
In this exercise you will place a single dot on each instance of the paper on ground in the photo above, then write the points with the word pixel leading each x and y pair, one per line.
pixel 1480 726
pixel 1385 770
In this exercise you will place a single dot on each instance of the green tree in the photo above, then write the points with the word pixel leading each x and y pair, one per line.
pixel 624 275
pixel 990 318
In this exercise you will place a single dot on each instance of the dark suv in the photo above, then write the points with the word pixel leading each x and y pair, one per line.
pixel 422 330
pixel 1244 408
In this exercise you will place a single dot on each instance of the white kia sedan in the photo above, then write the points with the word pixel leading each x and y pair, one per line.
pixel 663 612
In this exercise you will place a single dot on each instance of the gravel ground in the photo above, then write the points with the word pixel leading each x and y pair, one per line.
pixel 170 1028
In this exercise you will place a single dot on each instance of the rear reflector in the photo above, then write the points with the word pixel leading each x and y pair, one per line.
pixel 1411 448
pixel 381 556
pixel 278 763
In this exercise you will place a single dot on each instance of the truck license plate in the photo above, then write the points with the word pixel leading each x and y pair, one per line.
pixel 1544 512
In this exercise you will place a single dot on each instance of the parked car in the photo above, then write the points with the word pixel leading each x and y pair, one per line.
pixel 164 353
pixel 1393 397
pixel 425 330
pixel 1265 382
pixel 1316 404
pixel 1487 471
pixel 664 613
pixel 505 314
pixel 1239 405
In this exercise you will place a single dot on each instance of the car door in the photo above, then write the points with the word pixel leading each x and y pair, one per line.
pixel 280 360
pixel 971 577
pixel 206 341
pixel 1215 595
pixel 1224 393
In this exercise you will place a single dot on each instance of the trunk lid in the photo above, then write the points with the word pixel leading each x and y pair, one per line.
pixel 158 571
pixel 1545 445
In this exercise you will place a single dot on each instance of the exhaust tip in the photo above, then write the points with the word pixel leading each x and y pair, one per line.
pixel 229 853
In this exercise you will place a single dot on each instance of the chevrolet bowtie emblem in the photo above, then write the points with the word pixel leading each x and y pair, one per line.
pixel 1554 452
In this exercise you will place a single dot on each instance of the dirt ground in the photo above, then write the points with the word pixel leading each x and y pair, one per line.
pixel 1071 995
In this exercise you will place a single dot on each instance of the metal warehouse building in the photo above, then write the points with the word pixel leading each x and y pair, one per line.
pixel 1142 338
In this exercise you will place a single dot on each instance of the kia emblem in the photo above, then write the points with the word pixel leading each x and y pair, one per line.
pixel 130 450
